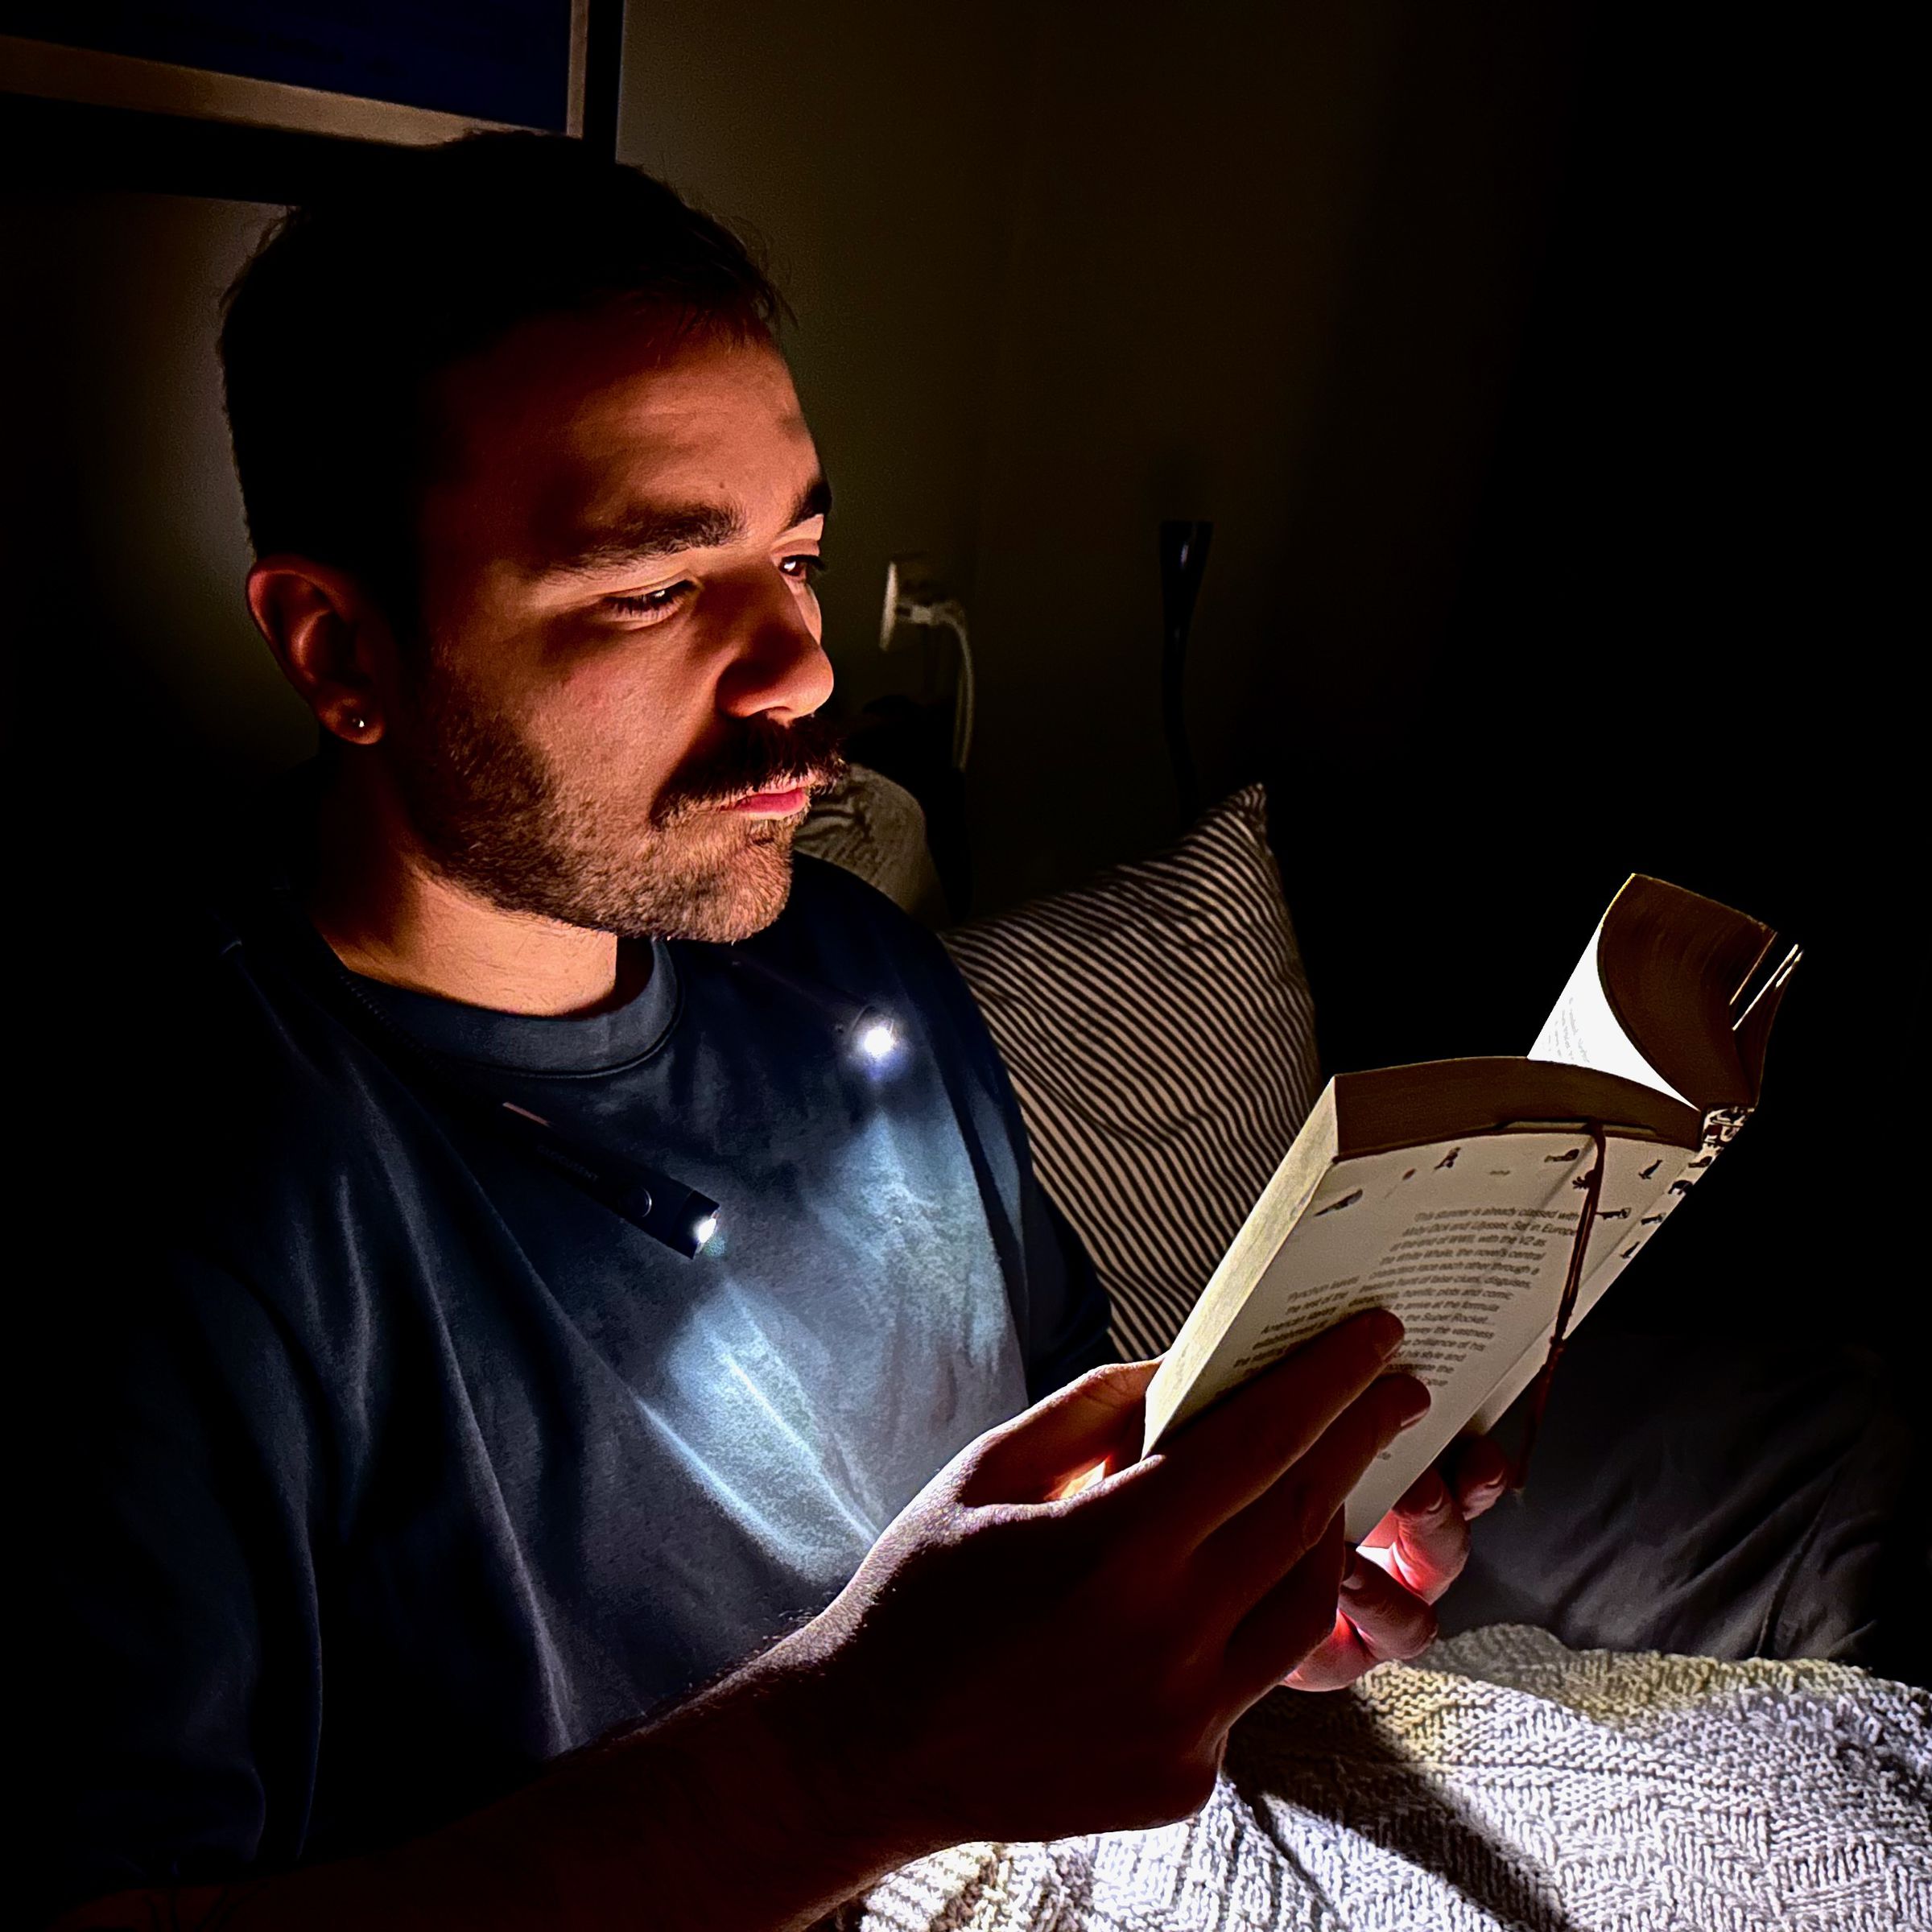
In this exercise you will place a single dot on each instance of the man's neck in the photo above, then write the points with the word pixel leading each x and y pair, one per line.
pixel 387 913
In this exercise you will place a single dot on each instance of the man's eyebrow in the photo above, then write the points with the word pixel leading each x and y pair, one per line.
pixel 816 501
pixel 644 533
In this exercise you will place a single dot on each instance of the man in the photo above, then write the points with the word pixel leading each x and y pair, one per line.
pixel 466 1525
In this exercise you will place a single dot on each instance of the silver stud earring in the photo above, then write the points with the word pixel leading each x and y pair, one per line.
pixel 358 723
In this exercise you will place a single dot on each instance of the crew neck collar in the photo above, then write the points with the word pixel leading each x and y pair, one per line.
pixel 569 1046
pixel 532 1043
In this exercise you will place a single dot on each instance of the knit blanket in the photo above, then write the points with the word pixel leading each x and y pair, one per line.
pixel 1505 1784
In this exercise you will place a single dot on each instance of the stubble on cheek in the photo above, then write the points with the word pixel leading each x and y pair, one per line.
pixel 498 818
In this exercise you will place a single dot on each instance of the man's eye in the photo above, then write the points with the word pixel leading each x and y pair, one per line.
pixel 651 603
pixel 804 567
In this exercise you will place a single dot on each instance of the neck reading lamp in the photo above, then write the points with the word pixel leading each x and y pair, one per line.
pixel 667 1210
pixel 682 1217
pixel 865 1032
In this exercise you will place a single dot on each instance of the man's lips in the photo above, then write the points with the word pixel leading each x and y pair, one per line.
pixel 773 804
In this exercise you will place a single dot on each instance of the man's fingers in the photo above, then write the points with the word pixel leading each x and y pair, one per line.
pixel 1482 1474
pixel 1295 1619
pixel 1334 1663
pixel 1379 1622
pixel 1472 1477
pixel 1094 1420
pixel 1391 1622
pixel 1423 1542
pixel 1247 1557
pixel 1222 1461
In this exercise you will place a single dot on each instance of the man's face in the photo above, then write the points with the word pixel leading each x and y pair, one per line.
pixel 609 722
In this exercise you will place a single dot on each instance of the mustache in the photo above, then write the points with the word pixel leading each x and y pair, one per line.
pixel 753 755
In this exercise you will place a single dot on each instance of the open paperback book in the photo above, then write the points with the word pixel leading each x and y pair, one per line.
pixel 1476 1197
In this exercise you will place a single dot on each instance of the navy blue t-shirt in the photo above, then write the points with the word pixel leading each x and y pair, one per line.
pixel 392 1463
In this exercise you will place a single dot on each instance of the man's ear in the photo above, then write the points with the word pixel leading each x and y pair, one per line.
pixel 333 644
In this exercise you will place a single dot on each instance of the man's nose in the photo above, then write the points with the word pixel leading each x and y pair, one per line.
pixel 780 670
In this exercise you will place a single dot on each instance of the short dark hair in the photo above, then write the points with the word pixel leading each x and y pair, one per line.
pixel 352 305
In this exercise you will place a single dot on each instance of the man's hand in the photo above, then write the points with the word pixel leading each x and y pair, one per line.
pixel 1019 1657
pixel 1404 1564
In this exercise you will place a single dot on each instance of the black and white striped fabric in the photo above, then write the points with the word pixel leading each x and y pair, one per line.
pixel 1158 1028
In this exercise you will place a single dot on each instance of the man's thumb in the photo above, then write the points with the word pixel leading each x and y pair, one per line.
pixel 1095 1420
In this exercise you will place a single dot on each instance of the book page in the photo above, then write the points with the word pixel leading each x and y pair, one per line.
pixel 1632 1208
pixel 1583 1031
pixel 1467 1241
pixel 1643 1183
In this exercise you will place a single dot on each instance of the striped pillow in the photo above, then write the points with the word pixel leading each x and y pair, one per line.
pixel 1159 1032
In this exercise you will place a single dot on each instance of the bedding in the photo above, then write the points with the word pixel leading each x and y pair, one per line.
pixel 1503 1783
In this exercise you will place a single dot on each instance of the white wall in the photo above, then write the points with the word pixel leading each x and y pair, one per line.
pixel 874 148
pixel 1269 269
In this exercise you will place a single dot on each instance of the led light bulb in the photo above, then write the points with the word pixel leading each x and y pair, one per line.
pixel 877 1039
pixel 702 1231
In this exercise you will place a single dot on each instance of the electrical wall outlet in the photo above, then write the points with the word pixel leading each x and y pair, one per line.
pixel 909 582
pixel 914 598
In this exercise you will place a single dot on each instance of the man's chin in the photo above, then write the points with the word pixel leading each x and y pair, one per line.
pixel 740 893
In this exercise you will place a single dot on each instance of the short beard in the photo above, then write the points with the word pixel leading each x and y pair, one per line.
pixel 494 819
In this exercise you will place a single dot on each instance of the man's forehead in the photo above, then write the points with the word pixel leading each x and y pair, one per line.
pixel 575 422
pixel 697 438
pixel 640 529
pixel 680 409
pixel 582 361
pixel 704 486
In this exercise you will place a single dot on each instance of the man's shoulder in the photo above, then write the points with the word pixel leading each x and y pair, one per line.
pixel 249 1089
pixel 218 987
pixel 210 1152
